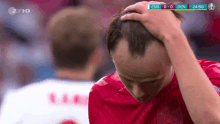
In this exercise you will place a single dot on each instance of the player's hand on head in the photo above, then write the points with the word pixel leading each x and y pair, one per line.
pixel 159 23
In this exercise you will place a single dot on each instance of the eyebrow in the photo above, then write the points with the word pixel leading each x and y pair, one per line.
pixel 125 78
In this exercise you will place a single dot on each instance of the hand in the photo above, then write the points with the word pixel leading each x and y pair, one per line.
pixel 161 24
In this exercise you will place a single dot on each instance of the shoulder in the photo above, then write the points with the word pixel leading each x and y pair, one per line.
pixel 212 70
pixel 210 67
pixel 27 91
pixel 206 64
pixel 10 108
pixel 104 88
pixel 31 88
pixel 15 102
pixel 107 86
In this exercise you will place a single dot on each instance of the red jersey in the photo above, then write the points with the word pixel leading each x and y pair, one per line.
pixel 111 103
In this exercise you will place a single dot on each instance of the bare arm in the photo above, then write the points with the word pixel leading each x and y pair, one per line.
pixel 202 101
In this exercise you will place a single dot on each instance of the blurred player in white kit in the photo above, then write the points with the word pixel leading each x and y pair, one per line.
pixel 74 33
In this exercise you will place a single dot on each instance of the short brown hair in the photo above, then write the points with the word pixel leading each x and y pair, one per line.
pixel 134 32
pixel 74 32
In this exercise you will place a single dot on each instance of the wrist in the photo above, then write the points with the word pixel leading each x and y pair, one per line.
pixel 175 36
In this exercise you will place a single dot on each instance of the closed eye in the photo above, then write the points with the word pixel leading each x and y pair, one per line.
pixel 150 82
pixel 146 82
pixel 127 80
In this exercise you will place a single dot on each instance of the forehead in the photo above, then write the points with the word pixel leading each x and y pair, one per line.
pixel 152 64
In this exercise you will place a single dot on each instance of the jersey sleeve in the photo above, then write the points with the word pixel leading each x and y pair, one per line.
pixel 212 69
pixel 10 112
pixel 95 103
pixel 105 88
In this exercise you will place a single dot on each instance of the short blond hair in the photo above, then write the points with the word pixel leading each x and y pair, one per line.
pixel 74 32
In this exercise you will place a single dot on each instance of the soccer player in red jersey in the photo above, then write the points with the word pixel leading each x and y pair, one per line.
pixel 158 78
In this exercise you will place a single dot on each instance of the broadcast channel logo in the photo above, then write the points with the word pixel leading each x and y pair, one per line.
pixel 13 11
pixel 211 6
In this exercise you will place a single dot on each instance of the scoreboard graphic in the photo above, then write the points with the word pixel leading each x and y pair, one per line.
pixel 181 7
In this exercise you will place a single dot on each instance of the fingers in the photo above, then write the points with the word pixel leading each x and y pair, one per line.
pixel 156 2
pixel 161 3
pixel 136 7
pixel 141 6
pixel 132 16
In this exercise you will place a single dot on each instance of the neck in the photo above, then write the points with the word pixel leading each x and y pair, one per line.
pixel 76 74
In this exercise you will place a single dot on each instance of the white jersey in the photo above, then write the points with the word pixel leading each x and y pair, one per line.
pixel 52 101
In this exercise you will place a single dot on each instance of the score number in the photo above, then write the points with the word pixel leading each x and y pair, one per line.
pixel 168 6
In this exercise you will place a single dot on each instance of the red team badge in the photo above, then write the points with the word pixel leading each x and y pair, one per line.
pixel 170 115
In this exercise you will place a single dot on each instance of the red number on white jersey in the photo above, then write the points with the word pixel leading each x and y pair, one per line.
pixel 68 121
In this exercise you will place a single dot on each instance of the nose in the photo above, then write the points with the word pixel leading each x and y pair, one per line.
pixel 137 91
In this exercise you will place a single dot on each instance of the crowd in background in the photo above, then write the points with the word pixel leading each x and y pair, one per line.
pixel 25 55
